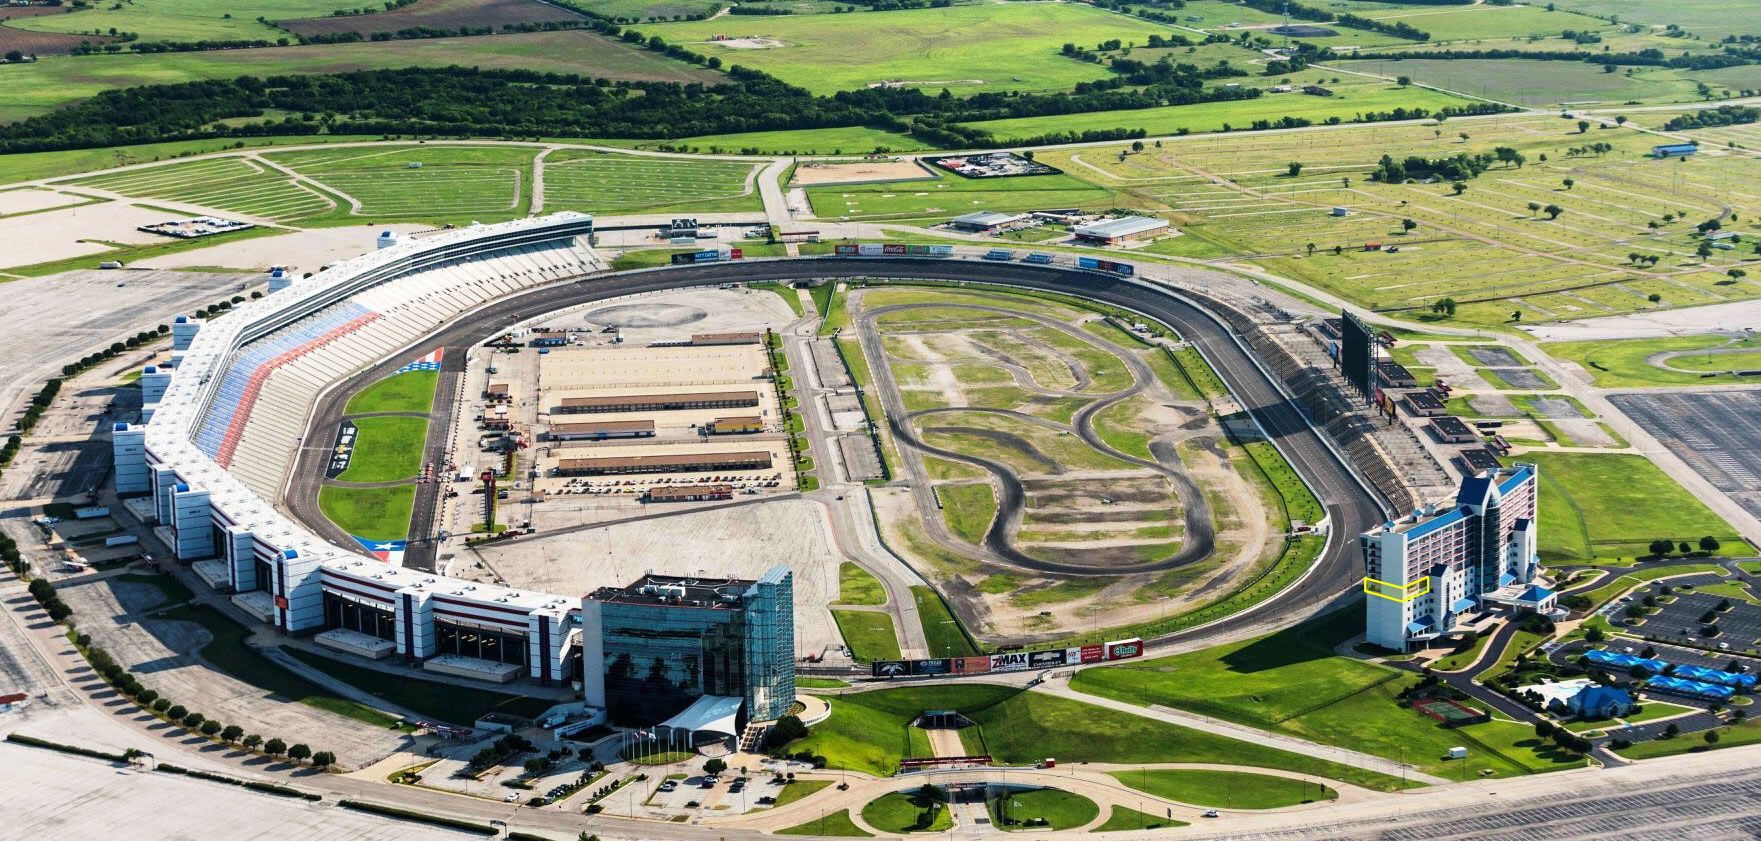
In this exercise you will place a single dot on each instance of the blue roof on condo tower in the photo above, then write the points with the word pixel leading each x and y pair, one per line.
pixel 1522 472
pixel 1461 605
pixel 1536 594
pixel 1474 490
pixel 1440 521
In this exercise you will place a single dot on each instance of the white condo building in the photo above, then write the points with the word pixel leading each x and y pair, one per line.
pixel 1426 571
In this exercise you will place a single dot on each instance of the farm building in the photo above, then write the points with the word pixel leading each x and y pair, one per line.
pixel 601 430
pixel 1122 229
pixel 734 426
pixel 1452 431
pixel 690 493
pixel 682 463
pixel 656 402
pixel 1674 150
pixel 984 221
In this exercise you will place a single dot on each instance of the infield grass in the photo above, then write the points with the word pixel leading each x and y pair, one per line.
pixel 1018 809
pixel 1225 789
pixel 859 586
pixel 968 509
pixel 869 633
pixel 371 513
pixel 386 448
pixel 941 631
pixel 907 811
pixel 410 391
pixel 1122 819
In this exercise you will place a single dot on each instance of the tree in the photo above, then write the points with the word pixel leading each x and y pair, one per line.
pixel 211 727
pixel 1029 153
pixel 299 752
pixel 536 765
pixel 275 747
pixel 176 712
pixel 1583 126
pixel 1656 298
pixel 1294 168
pixel 1704 250
pixel 1648 653
pixel 1544 728
pixel 323 759
pixel 1709 544
pixel 1444 307
pixel 1553 211
pixel 1711 737
pixel 1516 315
pixel 1595 634
pixel 1311 249
pixel 1137 145
pixel 1403 81
pixel 194 720
pixel 1346 183
pixel 1534 207
pixel 1459 187
pixel 1406 225
pixel 1620 120
pixel 232 733
pixel 1338 250
pixel 14 56
pixel 1568 183
pixel 252 741
pixel 1737 274
pixel 1685 547
pixel 714 767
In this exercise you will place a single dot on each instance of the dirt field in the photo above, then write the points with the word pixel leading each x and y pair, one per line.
pixel 41 43
pixel 24 201
pixel 436 14
pixel 809 174
pixel 60 234
pixel 300 251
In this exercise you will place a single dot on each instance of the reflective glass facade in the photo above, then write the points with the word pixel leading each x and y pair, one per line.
pixel 660 655
pixel 368 619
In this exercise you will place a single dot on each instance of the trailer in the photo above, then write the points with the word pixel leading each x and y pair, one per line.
pixel 90 512
pixel 121 540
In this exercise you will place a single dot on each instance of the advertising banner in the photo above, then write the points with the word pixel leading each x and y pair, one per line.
pixel 736 253
pixel 1093 653
pixel 893 250
pixel 709 256
pixel 844 250
pixel 683 259
pixel 917 250
pixel 941 251
pixel 971 665
pixel 1087 263
pixel 930 667
pixel 1045 659
pixel 1125 649
pixel 1012 662
pixel 890 668
pixel 871 249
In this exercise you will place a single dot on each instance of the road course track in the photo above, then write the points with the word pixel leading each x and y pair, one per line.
pixel 1350 506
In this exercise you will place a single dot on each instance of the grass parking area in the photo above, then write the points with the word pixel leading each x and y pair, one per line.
pixel 444 701
pixel 226 183
pixel 1225 789
pixel 386 448
pixel 228 652
pixel 603 182
pixel 372 513
pixel 954 196
pixel 966 49
pixel 439 183
pixel 867 732
pixel 1591 503
pixel 1626 363
pixel 410 391
pixel 869 633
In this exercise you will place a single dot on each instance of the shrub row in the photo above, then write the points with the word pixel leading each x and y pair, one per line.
pixel 418 817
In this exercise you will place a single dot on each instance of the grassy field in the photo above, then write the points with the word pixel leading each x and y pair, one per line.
pixel 869 634
pixel 386 448
pixel 1222 116
pixel 227 651
pixel 952 197
pixel 820 141
pixel 836 824
pixel 940 629
pixel 907 811
pixel 435 183
pixel 1292 682
pixel 184 20
pixel 1624 363
pixel 372 513
pixel 226 183
pixel 967 49
pixel 1711 19
pixel 859 586
pixel 410 391
pixel 867 732
pixel 1236 192
pixel 600 182
pixel 968 509
pixel 1225 789
pixel 1612 506
pixel 1026 809
pixel 1122 819
pixel 36 87
pixel 1539 83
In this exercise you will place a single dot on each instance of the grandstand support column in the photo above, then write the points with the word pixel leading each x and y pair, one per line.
pixel 128 458
pixel 299 598
pixel 546 641
pixel 192 523
pixel 241 559
pixel 414 616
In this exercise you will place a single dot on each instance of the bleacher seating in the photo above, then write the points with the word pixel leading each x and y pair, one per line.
pixel 254 423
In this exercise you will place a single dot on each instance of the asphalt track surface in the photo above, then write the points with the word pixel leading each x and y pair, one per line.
pixel 1350 506
pixel 1199 539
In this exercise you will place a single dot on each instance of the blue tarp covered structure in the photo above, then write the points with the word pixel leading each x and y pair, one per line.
pixel 1722 678
pixel 1690 688
pixel 1625 662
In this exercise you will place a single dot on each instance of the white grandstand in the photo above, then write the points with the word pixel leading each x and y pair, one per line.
pixel 220 430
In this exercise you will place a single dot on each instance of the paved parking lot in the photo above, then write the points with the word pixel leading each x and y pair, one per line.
pixel 1739 627
pixel 1718 433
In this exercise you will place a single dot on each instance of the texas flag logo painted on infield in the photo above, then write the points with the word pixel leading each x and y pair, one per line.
pixel 390 551
pixel 430 362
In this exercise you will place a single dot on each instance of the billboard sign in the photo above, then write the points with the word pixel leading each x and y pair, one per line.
pixel 871 249
pixel 736 253
pixel 1093 653
pixel 1012 662
pixel 1125 649
pixel 971 665
pixel 1357 353
pixel 1045 659
pixel 1125 269
pixel 930 667
pixel 891 668
pixel 894 250
pixel 844 250
pixel 709 256
pixel 941 251
pixel 684 258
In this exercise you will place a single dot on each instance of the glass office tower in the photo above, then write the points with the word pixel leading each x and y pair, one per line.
pixel 665 641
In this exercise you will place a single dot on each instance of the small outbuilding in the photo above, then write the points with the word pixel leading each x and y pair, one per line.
pixel 1674 150
pixel 984 221
pixel 1122 229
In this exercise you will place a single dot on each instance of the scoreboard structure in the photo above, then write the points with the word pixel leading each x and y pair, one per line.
pixel 1357 354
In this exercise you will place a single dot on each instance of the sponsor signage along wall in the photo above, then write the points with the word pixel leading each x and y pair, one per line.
pixel 930 667
pixel 1093 653
pixel 1123 649
pixel 871 249
pixel 844 250
pixel 1045 659
pixel 1014 661
pixel 894 250
pixel 890 668
pixel 972 665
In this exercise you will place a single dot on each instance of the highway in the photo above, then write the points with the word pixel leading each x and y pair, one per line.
pixel 1350 506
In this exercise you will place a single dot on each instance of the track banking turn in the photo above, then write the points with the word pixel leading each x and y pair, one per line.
pixel 1351 508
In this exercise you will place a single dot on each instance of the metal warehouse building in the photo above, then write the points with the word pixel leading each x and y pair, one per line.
pixel 656 402
pixel 683 463
pixel 602 430
pixel 726 426
pixel 984 221
pixel 1123 229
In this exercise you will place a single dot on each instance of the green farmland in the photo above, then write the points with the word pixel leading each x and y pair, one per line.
pixel 967 49
pixel 1539 83
pixel 183 20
